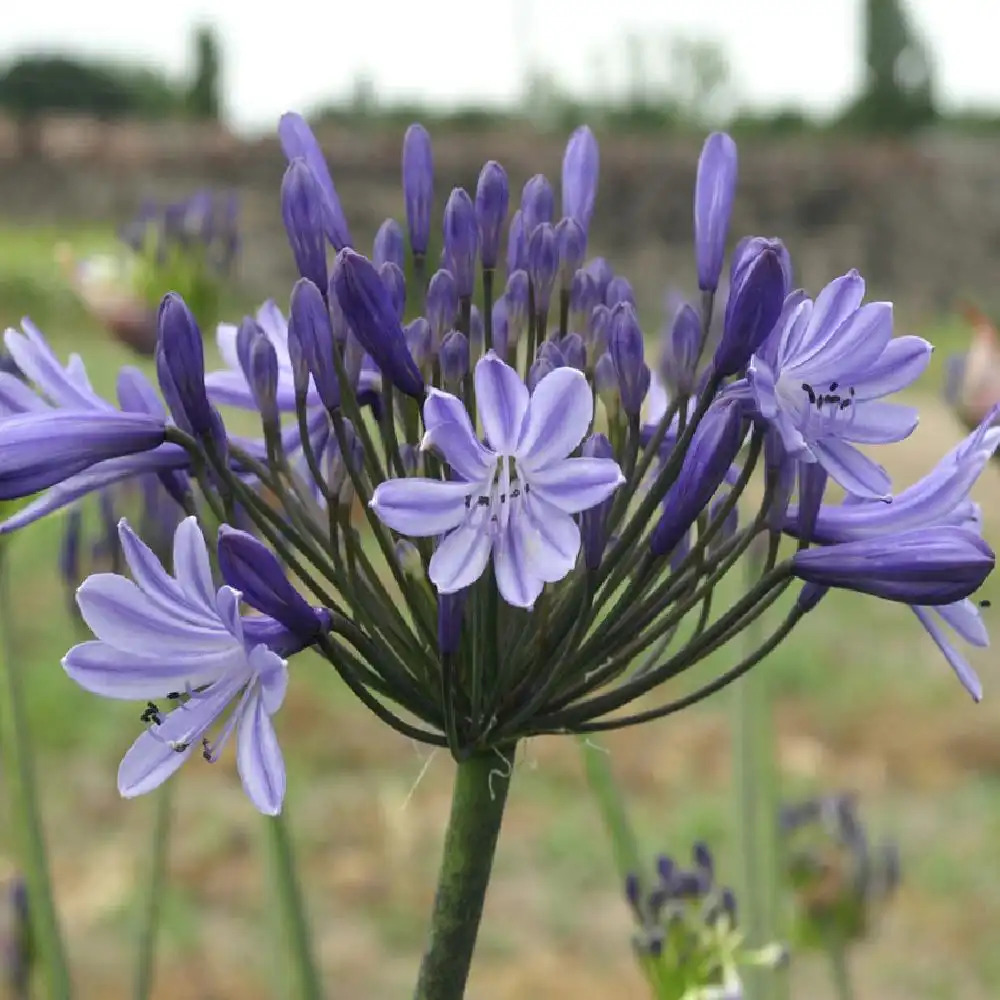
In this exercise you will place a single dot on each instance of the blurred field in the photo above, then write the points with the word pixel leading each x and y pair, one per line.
pixel 867 703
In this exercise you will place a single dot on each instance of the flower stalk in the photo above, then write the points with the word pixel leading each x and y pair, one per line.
pixel 482 782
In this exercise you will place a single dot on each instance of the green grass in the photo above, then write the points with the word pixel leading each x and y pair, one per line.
pixel 865 702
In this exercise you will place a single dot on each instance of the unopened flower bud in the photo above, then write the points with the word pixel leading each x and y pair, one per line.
pixel 581 163
pixel 442 304
pixel 183 360
pixel 418 186
pixel 572 243
pixel 606 384
pixel 418 339
pixel 549 351
pixel 582 299
pixel 619 290
pixel 517 244
pixel 455 356
pixel 500 328
pixel 309 324
pixel 517 307
pixel 543 263
pixel 540 367
pixel 388 247
pixel 593 522
pixel 679 355
pixel 538 203
pixel 395 284
pixel 302 214
pixel 461 240
pixel 714 189
pixel 492 195
pixel 625 345
pixel 574 350
pixel 600 270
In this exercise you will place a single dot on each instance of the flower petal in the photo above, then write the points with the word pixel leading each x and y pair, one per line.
pixel 259 759
pixel 559 415
pixel 875 422
pixel 514 560
pixel 191 566
pixel 113 673
pixel 272 672
pixel 856 472
pixel 502 399
pixel 557 540
pixel 576 484
pixel 858 343
pixel 147 764
pixel 965 619
pixel 902 362
pixel 420 507
pixel 120 614
pixel 833 305
pixel 968 677
pixel 461 557
pixel 450 431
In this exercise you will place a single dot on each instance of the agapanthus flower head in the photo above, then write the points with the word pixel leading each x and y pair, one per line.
pixel 841 879
pixel 687 938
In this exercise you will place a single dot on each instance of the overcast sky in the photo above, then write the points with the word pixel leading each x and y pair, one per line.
pixel 299 53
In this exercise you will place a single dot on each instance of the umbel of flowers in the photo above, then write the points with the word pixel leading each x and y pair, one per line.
pixel 504 507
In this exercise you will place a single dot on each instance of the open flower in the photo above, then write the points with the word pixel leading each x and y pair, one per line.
pixel 512 497
pixel 177 638
pixel 820 376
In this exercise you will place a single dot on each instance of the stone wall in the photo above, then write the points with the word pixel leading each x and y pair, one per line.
pixel 921 220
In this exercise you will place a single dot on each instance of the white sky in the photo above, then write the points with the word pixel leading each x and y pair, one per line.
pixel 298 53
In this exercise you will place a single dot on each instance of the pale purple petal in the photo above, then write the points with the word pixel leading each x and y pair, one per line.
pixel 273 322
pixel 963 669
pixel 113 673
pixel 833 306
pixel 857 344
pixel 461 557
pixel 576 484
pixel 272 672
pixel 225 339
pixel 147 764
pixel 964 617
pixel 556 544
pixel 878 423
pixel 420 507
pixel 123 616
pixel 259 759
pixel 902 362
pixel 227 606
pixel 16 397
pixel 191 565
pixel 856 472
pixel 514 559
pixel 559 415
pixel 502 399
pixel 450 431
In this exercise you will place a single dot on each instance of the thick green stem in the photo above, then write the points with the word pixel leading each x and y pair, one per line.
pixel 291 914
pixel 840 971
pixel 155 886
pixel 477 805
pixel 24 813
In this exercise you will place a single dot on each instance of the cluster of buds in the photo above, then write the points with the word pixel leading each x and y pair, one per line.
pixel 507 520
pixel 839 878
pixel 688 942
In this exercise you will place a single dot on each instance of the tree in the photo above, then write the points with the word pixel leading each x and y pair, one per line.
pixel 203 95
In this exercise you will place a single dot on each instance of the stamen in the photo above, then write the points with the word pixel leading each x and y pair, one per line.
pixel 808 390
pixel 151 713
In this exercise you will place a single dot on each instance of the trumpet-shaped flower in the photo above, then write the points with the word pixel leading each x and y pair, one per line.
pixel 512 497
pixel 178 638
pixel 821 374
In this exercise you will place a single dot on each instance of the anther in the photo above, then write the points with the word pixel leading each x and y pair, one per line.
pixel 808 390
pixel 985 603
pixel 833 387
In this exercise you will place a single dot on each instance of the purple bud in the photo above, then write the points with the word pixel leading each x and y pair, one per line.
pixel 549 351
pixel 492 196
pixel 543 262
pixel 538 203
pixel 581 163
pixel 681 346
pixel 388 245
pixel 263 379
pixel 442 304
pixel 574 350
pixel 600 270
pixel 371 315
pixel 747 250
pixel 418 186
pixel 572 243
pixel 455 356
pixel 598 331
pixel 714 446
pixel 477 332
pixel 582 299
pixel 538 370
pixel 302 213
pixel 451 613
pixel 606 384
pixel 250 567
pixel 500 328
pixel 923 566
pixel 418 339
pixel 461 240
pixel 309 325
pixel 755 300
pixel 713 205
pixel 619 290
pixel 395 284
pixel 517 306
pixel 625 345
pixel 517 244
pixel 593 522
pixel 184 358
pixel 248 331
pixel 299 143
